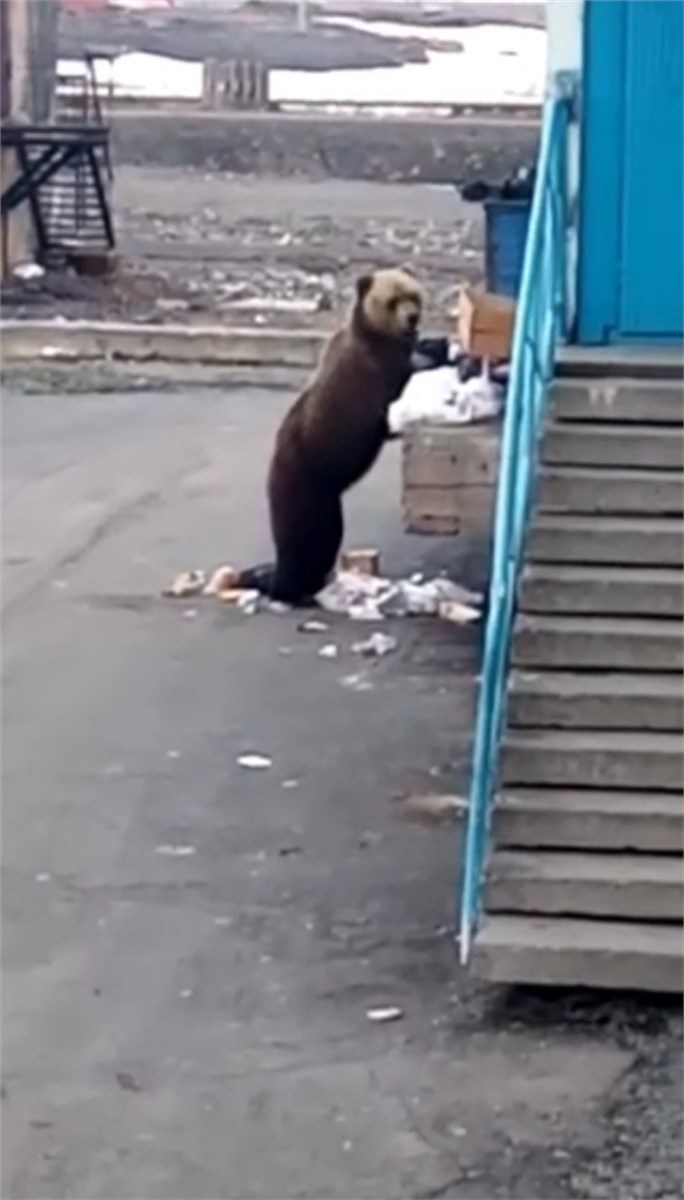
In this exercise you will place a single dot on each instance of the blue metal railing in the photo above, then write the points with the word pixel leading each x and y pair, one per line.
pixel 539 324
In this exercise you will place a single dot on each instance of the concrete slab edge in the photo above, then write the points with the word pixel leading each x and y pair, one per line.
pixel 55 341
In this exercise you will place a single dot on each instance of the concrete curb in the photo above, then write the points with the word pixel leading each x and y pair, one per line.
pixel 44 341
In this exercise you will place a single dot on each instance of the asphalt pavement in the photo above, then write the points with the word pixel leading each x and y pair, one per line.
pixel 191 949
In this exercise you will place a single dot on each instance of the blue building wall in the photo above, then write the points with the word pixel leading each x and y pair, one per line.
pixel 631 194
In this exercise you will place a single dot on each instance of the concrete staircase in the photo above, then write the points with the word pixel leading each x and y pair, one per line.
pixel 585 879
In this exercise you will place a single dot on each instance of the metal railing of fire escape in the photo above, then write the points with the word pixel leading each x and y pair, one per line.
pixel 539 325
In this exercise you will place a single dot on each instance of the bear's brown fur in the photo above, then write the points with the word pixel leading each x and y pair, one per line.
pixel 334 432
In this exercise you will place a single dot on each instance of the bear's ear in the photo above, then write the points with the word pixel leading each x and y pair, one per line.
pixel 363 286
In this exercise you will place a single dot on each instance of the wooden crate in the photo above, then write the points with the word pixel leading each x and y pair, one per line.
pixel 485 324
pixel 448 478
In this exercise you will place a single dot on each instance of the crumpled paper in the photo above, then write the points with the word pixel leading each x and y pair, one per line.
pixel 372 598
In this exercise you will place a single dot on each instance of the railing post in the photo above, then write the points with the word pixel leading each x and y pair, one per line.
pixel 540 318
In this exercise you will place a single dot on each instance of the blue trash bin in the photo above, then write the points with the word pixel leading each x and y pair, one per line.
pixel 506 223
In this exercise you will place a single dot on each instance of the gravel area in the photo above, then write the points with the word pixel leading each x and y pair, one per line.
pixel 203 247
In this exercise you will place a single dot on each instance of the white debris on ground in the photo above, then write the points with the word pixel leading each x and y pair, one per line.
pixel 372 597
pixel 254 762
pixel 380 1016
pixel 360 596
pixel 187 583
pixel 439 396
pixel 28 270
pixel 376 646
pixel 330 650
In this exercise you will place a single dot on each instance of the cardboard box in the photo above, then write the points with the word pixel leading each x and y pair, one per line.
pixel 366 562
pixel 485 324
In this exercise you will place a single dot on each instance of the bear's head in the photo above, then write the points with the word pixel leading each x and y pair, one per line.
pixel 389 304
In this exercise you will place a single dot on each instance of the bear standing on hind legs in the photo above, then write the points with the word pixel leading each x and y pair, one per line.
pixel 334 432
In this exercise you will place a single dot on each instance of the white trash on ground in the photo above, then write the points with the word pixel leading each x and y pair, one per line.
pixel 371 597
pixel 359 596
pixel 329 650
pixel 28 270
pixel 254 762
pixel 376 646
pixel 440 397
pixel 379 1016
pixel 188 583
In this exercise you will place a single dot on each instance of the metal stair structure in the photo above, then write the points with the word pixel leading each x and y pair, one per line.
pixel 585 874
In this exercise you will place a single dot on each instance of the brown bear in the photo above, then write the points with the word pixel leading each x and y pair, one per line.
pixel 334 432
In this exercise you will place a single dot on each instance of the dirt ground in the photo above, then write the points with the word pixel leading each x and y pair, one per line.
pixel 207 247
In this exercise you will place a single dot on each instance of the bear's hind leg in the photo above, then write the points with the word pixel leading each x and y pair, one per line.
pixel 307 551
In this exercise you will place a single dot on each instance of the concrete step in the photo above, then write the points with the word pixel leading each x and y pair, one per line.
pixel 621 491
pixel 575 700
pixel 620 362
pixel 601 591
pixel 619 541
pixel 624 761
pixel 546 643
pixel 565 952
pixel 586 443
pixel 637 887
pixel 645 401
pixel 562 818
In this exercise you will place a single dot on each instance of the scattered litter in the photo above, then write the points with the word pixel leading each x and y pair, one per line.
pixel 359 593
pixel 366 562
pixel 28 270
pixel 376 646
pixel 188 583
pixel 254 762
pixel 442 397
pixel 381 1015
pixel 312 627
pixel 168 851
pixel 358 683
pixel 330 650
pixel 224 579
pixel 289 784
pixel 371 598
pixel 460 614
pixel 433 808
pixel 248 602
